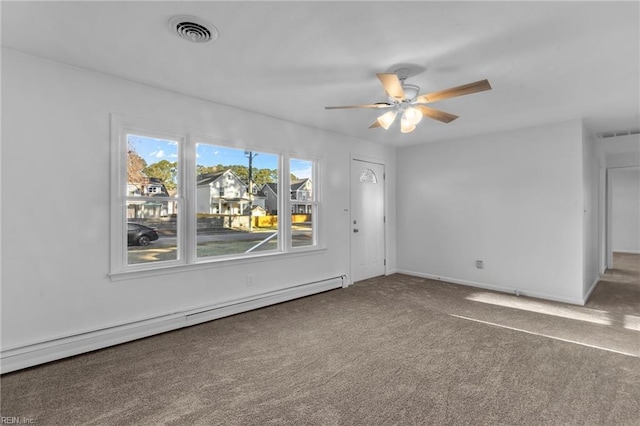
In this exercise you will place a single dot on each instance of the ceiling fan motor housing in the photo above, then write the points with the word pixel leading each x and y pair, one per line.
pixel 410 91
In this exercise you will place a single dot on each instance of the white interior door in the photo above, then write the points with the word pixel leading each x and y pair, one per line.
pixel 367 220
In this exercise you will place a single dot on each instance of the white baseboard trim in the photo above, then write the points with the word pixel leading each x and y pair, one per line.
pixel 593 287
pixel 17 358
pixel 502 289
pixel 627 251
pixel 215 312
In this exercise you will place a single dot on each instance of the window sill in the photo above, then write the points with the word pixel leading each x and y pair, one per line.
pixel 212 263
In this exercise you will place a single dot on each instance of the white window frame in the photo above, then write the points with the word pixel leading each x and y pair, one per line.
pixel 186 201
pixel 223 143
pixel 314 202
pixel 120 128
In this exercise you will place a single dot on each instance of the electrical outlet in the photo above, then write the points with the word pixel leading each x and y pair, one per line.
pixel 479 264
pixel 249 280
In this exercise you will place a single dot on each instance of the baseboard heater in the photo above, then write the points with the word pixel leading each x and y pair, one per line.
pixel 20 357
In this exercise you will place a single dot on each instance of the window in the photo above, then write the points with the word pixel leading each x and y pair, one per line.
pixel 368 176
pixel 231 218
pixel 151 214
pixel 303 203
pixel 179 200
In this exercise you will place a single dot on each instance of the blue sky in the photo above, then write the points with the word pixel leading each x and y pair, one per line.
pixel 210 155
pixel 301 168
pixel 154 150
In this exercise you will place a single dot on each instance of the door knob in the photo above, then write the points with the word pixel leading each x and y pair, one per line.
pixel 355 230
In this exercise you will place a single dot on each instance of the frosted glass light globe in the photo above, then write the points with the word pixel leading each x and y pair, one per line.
pixel 413 115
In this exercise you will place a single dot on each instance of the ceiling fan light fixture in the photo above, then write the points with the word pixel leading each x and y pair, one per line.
pixel 404 100
pixel 386 119
pixel 406 126
pixel 413 115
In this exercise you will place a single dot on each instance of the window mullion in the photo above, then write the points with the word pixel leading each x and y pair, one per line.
pixel 317 193
pixel 284 188
pixel 302 199
pixel 188 188
pixel 118 199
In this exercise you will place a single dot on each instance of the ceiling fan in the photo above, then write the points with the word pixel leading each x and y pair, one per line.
pixel 403 100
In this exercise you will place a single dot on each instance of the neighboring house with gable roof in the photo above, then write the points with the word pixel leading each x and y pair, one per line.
pixel 221 193
pixel 149 187
pixel 224 192
pixel 259 198
pixel 301 193
pixel 270 191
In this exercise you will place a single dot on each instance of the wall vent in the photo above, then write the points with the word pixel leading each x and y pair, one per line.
pixel 193 29
pixel 615 133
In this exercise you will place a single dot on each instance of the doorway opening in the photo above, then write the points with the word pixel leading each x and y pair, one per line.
pixel 622 228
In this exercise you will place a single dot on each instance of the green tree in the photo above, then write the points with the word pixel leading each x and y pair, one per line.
pixel 205 170
pixel 241 171
pixel 262 176
pixel 164 170
pixel 258 176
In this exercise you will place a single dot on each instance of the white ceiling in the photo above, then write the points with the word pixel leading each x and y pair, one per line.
pixel 547 61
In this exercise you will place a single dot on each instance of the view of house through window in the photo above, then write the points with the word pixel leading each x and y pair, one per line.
pixel 151 206
pixel 236 201
pixel 189 200
pixel 303 205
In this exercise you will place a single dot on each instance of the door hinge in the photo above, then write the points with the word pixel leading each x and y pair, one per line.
pixel 384 219
pixel 385 262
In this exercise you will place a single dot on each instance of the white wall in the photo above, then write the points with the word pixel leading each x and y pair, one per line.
pixel 513 200
pixel 625 209
pixel 55 254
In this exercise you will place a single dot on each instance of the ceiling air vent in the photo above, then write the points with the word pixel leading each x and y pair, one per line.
pixel 614 133
pixel 193 29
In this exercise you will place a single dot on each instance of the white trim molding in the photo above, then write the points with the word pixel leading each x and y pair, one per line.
pixel 588 293
pixel 502 289
pixel 29 355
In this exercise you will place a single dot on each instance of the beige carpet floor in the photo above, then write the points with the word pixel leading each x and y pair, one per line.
pixel 394 350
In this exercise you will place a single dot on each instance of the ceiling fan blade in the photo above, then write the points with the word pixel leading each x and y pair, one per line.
pixel 376 105
pixel 375 124
pixel 392 85
pixel 436 114
pixel 465 89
